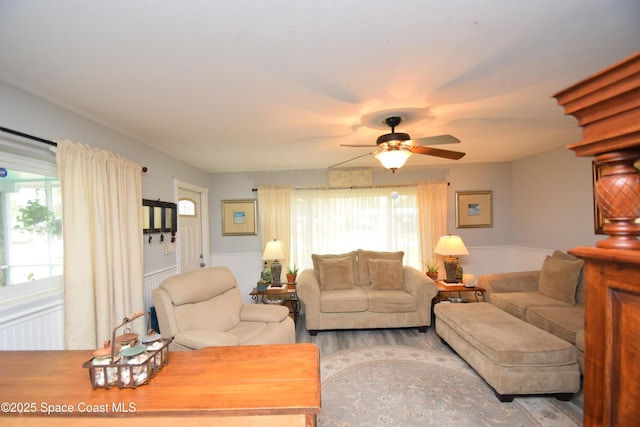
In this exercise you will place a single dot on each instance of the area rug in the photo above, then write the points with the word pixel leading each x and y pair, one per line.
pixel 408 386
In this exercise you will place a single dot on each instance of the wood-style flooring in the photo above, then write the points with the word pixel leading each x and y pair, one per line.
pixel 332 341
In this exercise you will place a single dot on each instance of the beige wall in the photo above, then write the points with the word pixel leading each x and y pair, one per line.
pixel 544 201
pixel 553 201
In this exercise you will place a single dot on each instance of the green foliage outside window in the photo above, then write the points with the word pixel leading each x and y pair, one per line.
pixel 36 218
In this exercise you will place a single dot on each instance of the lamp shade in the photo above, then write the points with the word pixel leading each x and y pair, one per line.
pixel 451 245
pixel 393 159
pixel 273 250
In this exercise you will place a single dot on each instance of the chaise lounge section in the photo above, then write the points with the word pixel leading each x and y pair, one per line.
pixel 551 298
pixel 513 357
pixel 365 290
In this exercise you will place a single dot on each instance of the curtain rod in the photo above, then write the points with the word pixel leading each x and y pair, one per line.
pixel 24 135
pixel 45 141
pixel 351 188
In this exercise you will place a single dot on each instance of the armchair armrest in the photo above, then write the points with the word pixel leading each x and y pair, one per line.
pixel 423 290
pixel 419 284
pixel 164 310
pixel 195 339
pixel 308 290
pixel 263 313
pixel 520 281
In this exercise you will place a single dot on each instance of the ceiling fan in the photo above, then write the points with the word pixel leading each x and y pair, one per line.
pixel 396 147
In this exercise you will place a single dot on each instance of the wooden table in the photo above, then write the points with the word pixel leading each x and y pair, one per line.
pixel 289 295
pixel 268 385
pixel 454 287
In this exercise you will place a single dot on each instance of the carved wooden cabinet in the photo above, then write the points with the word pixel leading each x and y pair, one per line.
pixel 607 106
pixel 612 336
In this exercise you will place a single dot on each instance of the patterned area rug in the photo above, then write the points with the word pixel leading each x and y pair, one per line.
pixel 407 386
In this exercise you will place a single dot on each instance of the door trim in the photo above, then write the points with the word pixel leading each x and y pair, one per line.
pixel 204 215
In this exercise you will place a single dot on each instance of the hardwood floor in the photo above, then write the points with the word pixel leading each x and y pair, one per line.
pixel 332 341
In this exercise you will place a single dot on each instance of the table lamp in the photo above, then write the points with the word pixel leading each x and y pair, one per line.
pixel 450 247
pixel 272 252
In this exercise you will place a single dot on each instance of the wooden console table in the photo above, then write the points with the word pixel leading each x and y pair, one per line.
pixel 269 385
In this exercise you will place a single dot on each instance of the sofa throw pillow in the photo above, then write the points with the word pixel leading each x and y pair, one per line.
pixel 336 273
pixel 315 258
pixel 386 274
pixel 363 263
pixel 580 288
pixel 559 278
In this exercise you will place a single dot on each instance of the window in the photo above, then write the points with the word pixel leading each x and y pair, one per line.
pixel 338 221
pixel 31 248
pixel 186 207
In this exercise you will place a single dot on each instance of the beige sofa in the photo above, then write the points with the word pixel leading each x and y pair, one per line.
pixel 551 298
pixel 204 308
pixel 364 290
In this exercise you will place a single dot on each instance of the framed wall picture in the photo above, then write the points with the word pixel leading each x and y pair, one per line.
pixel 474 209
pixel 239 218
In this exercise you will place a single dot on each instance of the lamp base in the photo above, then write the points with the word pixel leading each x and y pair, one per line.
pixel 451 266
pixel 276 270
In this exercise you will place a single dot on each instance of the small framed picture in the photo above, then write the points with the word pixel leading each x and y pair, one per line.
pixel 474 209
pixel 239 218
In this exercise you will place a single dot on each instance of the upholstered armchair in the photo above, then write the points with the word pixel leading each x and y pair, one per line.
pixel 204 308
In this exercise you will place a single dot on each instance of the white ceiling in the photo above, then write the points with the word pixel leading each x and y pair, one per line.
pixel 280 84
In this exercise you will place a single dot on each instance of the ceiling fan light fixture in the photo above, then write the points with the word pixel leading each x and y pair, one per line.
pixel 397 137
pixel 393 159
pixel 394 148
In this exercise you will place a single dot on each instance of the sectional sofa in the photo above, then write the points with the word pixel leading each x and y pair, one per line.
pixel 551 298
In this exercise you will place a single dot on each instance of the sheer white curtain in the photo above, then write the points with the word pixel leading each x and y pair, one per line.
pixel 343 220
pixel 102 226
pixel 432 205
pixel 274 212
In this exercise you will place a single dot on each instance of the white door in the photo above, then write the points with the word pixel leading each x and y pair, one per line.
pixel 192 236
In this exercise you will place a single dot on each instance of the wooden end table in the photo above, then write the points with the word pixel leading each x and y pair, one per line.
pixel 288 294
pixel 447 288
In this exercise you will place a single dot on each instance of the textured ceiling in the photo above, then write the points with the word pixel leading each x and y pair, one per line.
pixel 280 84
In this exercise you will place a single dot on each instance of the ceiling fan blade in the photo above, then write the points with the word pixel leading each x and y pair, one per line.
pixel 436 140
pixel 346 161
pixel 447 154
pixel 358 145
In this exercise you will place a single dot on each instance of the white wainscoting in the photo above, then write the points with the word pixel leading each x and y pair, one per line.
pixel 39 325
pixel 502 259
pixel 487 259
pixel 152 280
pixel 526 259
pixel 246 267
pixel 35 325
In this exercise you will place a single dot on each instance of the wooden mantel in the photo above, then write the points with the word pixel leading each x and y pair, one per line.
pixel 607 106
